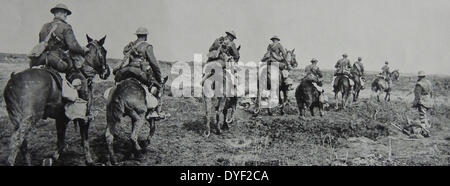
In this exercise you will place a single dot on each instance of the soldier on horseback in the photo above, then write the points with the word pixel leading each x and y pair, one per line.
pixel 225 52
pixel 62 54
pixel 358 71
pixel 140 62
pixel 276 53
pixel 314 75
pixel 343 68
pixel 385 73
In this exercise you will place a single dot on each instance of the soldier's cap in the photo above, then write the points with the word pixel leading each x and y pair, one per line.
pixel 275 37
pixel 387 62
pixel 421 74
pixel 231 33
pixel 60 6
pixel 314 60
pixel 345 55
pixel 141 31
pixel 359 58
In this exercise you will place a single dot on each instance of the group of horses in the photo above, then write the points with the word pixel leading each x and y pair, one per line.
pixel 35 94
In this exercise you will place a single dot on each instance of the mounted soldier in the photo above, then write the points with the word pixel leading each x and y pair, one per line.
pixel 139 62
pixel 343 67
pixel 224 51
pixel 423 92
pixel 60 52
pixel 314 75
pixel 277 53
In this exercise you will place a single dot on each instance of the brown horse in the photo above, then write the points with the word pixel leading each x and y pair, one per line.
pixel 283 86
pixel 380 84
pixel 341 84
pixel 128 99
pixel 307 96
pixel 34 94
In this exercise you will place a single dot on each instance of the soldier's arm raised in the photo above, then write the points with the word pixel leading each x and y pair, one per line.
pixel 71 42
pixel 153 63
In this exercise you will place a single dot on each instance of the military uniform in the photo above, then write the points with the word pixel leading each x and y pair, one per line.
pixel 422 98
pixel 385 71
pixel 227 50
pixel 357 71
pixel 61 48
pixel 343 67
pixel 314 75
pixel 142 64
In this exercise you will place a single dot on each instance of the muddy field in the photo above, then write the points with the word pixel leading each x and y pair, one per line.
pixel 359 135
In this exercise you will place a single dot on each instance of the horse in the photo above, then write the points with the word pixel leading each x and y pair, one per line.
pixel 380 84
pixel 307 96
pixel 34 94
pixel 341 84
pixel 223 102
pixel 284 87
pixel 128 99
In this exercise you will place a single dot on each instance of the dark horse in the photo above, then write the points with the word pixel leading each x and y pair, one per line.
pixel 308 97
pixel 283 86
pixel 128 99
pixel 380 85
pixel 341 84
pixel 33 94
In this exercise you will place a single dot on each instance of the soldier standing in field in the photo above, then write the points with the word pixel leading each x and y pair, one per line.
pixel 423 92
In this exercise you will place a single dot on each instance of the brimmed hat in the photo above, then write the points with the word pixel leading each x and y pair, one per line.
pixel 387 62
pixel 231 33
pixel 314 60
pixel 421 74
pixel 61 7
pixel 275 37
pixel 359 58
pixel 141 31
pixel 345 55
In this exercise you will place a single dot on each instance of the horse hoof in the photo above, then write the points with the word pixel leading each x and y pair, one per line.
pixel 206 133
pixel 229 121
pixel 47 162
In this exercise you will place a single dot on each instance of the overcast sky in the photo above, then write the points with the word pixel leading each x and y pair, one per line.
pixel 412 34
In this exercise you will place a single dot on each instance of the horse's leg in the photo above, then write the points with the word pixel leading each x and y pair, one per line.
pixel 321 109
pixel 219 114
pixel 336 98
pixel 84 130
pixel 26 151
pixel 152 126
pixel 282 101
pixel 311 110
pixel 207 131
pixel 109 135
pixel 17 139
pixel 225 124
pixel 138 120
pixel 61 125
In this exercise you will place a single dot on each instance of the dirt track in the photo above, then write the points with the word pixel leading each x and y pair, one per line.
pixel 345 137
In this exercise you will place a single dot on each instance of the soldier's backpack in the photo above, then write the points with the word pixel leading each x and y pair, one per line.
pixel 37 50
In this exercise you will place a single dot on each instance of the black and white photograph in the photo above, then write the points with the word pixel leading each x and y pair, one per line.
pixel 225 83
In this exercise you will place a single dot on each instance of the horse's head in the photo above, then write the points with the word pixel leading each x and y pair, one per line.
pixel 290 58
pixel 96 57
pixel 395 74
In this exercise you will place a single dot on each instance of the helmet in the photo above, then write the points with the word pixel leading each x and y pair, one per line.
pixel 359 58
pixel 314 60
pixel 61 6
pixel 421 74
pixel 345 55
pixel 141 31
pixel 231 33
pixel 386 62
pixel 275 37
